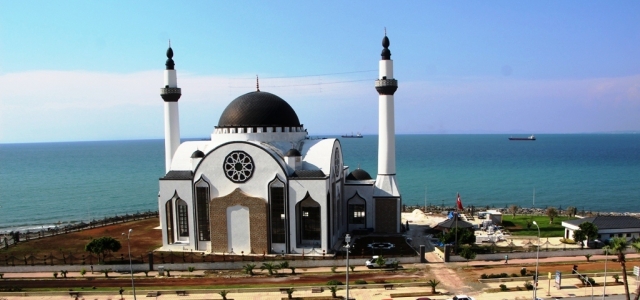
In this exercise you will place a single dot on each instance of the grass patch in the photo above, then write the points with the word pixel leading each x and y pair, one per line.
pixel 518 225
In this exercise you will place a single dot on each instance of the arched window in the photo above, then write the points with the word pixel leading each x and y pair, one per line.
pixel 356 210
pixel 309 220
pixel 183 218
pixel 168 207
pixel 202 210
pixel 278 215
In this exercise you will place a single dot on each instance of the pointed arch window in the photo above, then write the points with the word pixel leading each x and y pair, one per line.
pixel 202 211
pixel 183 218
pixel 168 207
pixel 309 218
pixel 357 210
pixel 278 214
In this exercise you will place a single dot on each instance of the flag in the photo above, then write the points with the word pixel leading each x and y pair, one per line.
pixel 459 203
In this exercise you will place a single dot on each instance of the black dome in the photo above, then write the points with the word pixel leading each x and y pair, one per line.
pixel 359 174
pixel 258 109
pixel 293 152
pixel 197 154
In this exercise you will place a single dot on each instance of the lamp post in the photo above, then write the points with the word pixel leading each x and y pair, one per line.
pixel 130 264
pixel 535 281
pixel 347 239
pixel 586 279
pixel 606 256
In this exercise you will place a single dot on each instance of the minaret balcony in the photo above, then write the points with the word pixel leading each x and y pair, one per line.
pixel 386 86
pixel 170 91
pixel 170 94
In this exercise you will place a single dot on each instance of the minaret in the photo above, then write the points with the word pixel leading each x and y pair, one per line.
pixel 170 94
pixel 386 184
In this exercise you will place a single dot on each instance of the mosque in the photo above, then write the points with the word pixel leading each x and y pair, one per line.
pixel 262 185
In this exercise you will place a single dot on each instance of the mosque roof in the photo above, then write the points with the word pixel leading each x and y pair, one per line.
pixel 309 174
pixel 359 174
pixel 293 152
pixel 178 175
pixel 608 222
pixel 258 109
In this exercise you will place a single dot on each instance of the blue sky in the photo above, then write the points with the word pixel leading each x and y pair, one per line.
pixel 91 70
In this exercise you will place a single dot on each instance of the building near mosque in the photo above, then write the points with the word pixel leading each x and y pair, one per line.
pixel 262 185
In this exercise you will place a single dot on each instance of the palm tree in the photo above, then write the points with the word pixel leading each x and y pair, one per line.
pixel 270 267
pixel 571 211
pixel 433 284
pixel 333 289
pixel 617 246
pixel 223 293
pixel 248 269
pixel 636 247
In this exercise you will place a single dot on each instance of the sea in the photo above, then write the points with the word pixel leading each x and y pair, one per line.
pixel 51 184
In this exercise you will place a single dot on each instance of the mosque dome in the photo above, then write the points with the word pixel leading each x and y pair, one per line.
pixel 197 154
pixel 293 152
pixel 258 109
pixel 359 174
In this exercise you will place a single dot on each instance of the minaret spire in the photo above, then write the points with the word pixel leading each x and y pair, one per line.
pixel 257 84
pixel 170 94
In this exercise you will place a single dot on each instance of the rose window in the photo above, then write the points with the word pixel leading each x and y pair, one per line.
pixel 238 166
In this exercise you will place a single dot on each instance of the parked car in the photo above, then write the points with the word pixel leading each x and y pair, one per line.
pixel 462 297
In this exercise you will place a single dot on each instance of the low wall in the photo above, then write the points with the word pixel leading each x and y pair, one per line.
pixel 532 254
pixel 124 268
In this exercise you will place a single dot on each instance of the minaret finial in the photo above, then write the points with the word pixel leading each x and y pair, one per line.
pixel 385 34
pixel 257 84
pixel 170 64
pixel 386 53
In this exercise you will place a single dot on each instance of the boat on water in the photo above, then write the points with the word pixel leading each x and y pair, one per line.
pixel 357 136
pixel 529 138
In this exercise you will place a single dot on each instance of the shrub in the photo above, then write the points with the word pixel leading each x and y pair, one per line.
pixel 523 272
pixel 528 285
pixel 514 275
pixel 333 269
pixel 352 267
pixel 191 269
pixel 379 281
pixel 503 288
pixel 616 277
pixel 568 241
pixel 55 274
pixel 334 282
pixel 361 281
pixel 1 275
pixel 484 276
pixel 83 272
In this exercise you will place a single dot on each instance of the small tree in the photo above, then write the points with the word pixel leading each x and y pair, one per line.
pixel 83 272
pixel 616 277
pixel 588 257
pixel 290 293
pixel 191 269
pixel 102 247
pixel 468 253
pixel 223 294
pixel 1 275
pixel 352 267
pixel 333 269
pixel 106 272
pixel 571 211
pixel 55 274
pixel 552 212
pixel 513 209
pixel 333 289
pixel 248 269
pixel 590 231
pixel 64 273
pixel 270 267
pixel 579 236
pixel 380 261
pixel 433 284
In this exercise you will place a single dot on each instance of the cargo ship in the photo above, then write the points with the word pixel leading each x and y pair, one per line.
pixel 529 138
pixel 357 136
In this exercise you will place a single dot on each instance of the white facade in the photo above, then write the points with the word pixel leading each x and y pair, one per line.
pixel 261 185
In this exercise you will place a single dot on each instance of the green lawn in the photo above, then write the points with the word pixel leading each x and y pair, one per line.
pixel 518 225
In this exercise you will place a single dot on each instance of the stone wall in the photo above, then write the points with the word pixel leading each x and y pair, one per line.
pixel 257 219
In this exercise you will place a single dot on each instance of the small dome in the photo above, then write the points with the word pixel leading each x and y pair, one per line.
pixel 359 174
pixel 258 109
pixel 293 152
pixel 197 154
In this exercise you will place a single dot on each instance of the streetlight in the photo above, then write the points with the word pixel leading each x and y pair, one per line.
pixel 586 279
pixel 606 255
pixel 347 239
pixel 535 281
pixel 130 264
